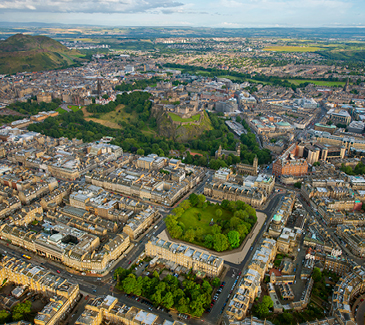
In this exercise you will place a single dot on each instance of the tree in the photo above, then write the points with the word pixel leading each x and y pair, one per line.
pixel 234 222
pixel 189 235
pixel 208 241
pixel 218 213
pixel 288 317
pixel 155 274
pixel 4 316
pixel 216 229
pixel 140 152
pixel 176 231
pixel 234 238
pixel 242 230
pixel 317 274
pixel 21 309
pixel 129 284
pixel 120 274
pixel 206 287
pixel 138 287
pixel 183 305
pixel 216 282
pixel 238 119
pixel 189 159
pixel 261 310
pixel 224 204
pixel 178 212
pixel 201 199
pixel 156 298
pixel 185 205
pixel 168 300
pixel 220 242
pixel 199 232
pixel 268 301
pixel 298 185
pixel 194 200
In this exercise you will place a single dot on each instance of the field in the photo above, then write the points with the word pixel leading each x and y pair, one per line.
pixel 191 220
pixel 177 118
pixel 293 48
pixel 319 82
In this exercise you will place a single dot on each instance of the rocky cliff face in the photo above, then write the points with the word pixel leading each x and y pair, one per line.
pixel 180 133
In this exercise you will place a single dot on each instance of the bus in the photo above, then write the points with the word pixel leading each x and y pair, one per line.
pixel 26 256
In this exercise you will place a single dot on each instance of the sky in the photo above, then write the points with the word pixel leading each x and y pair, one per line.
pixel 189 13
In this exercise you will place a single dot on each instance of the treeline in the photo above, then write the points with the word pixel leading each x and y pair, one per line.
pixel 188 297
pixel 138 84
pixel 33 108
pixel 5 119
pixel 242 77
pixel 239 77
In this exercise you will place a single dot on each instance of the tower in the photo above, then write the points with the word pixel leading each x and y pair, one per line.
pixel 98 88
pixel 255 164
pixel 219 151
pixel 238 150
pixel 347 86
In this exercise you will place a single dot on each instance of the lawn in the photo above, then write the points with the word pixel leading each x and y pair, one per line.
pixel 191 220
pixel 112 119
pixel 74 108
pixel 60 110
pixel 318 82
pixel 177 118
pixel 293 48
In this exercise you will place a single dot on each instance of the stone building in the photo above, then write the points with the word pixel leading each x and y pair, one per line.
pixel 186 256
pixel 248 169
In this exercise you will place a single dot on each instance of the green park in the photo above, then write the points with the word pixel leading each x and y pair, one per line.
pixel 219 227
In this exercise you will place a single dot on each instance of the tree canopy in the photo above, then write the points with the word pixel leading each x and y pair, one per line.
pixel 187 296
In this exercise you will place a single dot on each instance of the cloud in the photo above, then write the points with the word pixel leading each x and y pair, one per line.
pixel 286 5
pixel 88 6
pixel 182 11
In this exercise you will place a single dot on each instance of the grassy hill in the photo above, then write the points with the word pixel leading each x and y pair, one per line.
pixel 34 53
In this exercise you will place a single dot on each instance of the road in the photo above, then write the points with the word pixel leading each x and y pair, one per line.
pixel 94 286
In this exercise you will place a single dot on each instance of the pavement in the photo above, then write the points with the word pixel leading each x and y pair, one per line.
pixel 102 285
pixel 360 314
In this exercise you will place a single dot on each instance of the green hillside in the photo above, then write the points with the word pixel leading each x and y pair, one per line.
pixel 34 53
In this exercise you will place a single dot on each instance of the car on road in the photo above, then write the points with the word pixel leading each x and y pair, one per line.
pixel 129 262
pixel 58 271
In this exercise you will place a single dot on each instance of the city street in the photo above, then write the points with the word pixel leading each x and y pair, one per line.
pixel 103 285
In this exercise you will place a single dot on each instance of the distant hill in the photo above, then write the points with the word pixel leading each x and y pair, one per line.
pixel 20 53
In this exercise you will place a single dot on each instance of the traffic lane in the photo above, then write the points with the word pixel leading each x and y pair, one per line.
pixel 360 314
pixel 77 311
pixel 225 295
